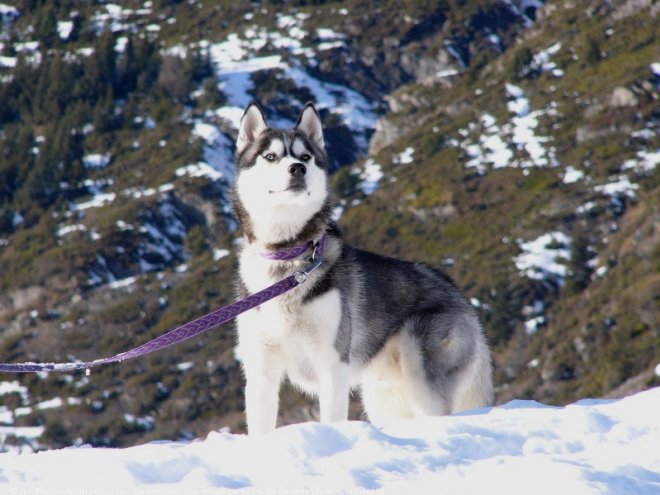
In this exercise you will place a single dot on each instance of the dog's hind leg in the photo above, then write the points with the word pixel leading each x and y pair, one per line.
pixel 474 385
pixel 426 397
pixel 445 364
pixel 384 396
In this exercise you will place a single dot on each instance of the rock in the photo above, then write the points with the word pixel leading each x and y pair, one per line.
pixel 430 69
pixel 385 134
pixel 623 97
pixel 629 8
pixel 21 299
pixel 585 134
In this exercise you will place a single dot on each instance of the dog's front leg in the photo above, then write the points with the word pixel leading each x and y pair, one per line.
pixel 263 368
pixel 261 394
pixel 334 389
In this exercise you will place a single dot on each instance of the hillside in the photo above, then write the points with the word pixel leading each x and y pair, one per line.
pixel 512 143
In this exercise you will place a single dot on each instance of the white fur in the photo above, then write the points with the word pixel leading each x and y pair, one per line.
pixel 274 343
pixel 276 214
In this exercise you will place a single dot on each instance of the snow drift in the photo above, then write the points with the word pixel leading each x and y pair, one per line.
pixel 593 446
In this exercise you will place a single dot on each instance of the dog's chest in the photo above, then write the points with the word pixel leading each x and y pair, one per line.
pixel 305 332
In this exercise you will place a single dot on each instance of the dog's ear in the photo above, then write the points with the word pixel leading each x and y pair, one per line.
pixel 309 123
pixel 253 123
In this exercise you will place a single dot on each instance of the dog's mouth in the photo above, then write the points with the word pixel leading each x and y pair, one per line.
pixel 295 187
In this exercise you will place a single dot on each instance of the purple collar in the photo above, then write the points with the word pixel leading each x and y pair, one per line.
pixel 293 252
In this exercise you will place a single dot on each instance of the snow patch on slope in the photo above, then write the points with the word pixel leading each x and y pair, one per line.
pixel 238 57
pixel 517 143
pixel 544 257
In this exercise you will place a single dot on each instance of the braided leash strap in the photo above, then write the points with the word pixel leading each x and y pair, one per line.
pixel 187 331
pixel 179 334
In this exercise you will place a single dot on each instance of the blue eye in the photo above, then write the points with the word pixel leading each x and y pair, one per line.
pixel 270 157
pixel 305 157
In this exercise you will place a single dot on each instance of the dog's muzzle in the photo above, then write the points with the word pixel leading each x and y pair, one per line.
pixel 297 170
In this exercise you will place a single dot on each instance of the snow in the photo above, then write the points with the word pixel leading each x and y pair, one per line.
pixel 233 115
pixel 68 229
pixel 123 283
pixel 96 160
pixel 370 176
pixel 486 143
pixel 525 124
pixel 326 34
pixel 217 150
pixel 120 45
pixel 533 325
pixel 8 62
pixel 116 18
pixel 85 51
pixel 544 257
pixel 200 169
pixel 14 387
pixel 572 175
pixel 97 201
pixel 64 29
pixel 50 404
pixel 17 219
pixel 620 186
pixel 8 13
pixel 139 192
pixel 655 68
pixel 185 366
pixel 490 149
pixel 405 157
pixel 590 447
pixel 645 162
pixel 337 212
pixel 542 60
pixel 218 254
pixel 239 56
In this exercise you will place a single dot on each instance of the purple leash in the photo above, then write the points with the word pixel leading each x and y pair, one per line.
pixel 195 327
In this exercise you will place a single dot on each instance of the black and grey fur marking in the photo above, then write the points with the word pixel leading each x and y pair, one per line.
pixel 401 331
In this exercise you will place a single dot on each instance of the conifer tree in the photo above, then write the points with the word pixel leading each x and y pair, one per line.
pixel 579 271
pixel 45 27
pixel 105 119
pixel 127 70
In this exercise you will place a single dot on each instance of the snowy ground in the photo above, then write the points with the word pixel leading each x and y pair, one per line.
pixel 520 447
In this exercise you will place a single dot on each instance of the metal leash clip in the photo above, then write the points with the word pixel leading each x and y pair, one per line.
pixel 317 259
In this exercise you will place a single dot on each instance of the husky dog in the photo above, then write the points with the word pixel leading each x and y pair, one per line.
pixel 400 331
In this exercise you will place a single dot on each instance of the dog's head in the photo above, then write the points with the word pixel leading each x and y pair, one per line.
pixel 281 179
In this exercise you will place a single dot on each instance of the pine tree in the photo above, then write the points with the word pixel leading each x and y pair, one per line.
pixel 16 159
pixel 174 78
pixel 105 119
pixel 147 58
pixel 579 271
pixel 45 27
pixel 127 70
pixel 504 312
pixel 100 69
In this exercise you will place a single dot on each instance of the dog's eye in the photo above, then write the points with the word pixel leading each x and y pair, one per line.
pixel 270 157
pixel 305 157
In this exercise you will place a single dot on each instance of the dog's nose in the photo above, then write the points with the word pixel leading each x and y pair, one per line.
pixel 298 170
